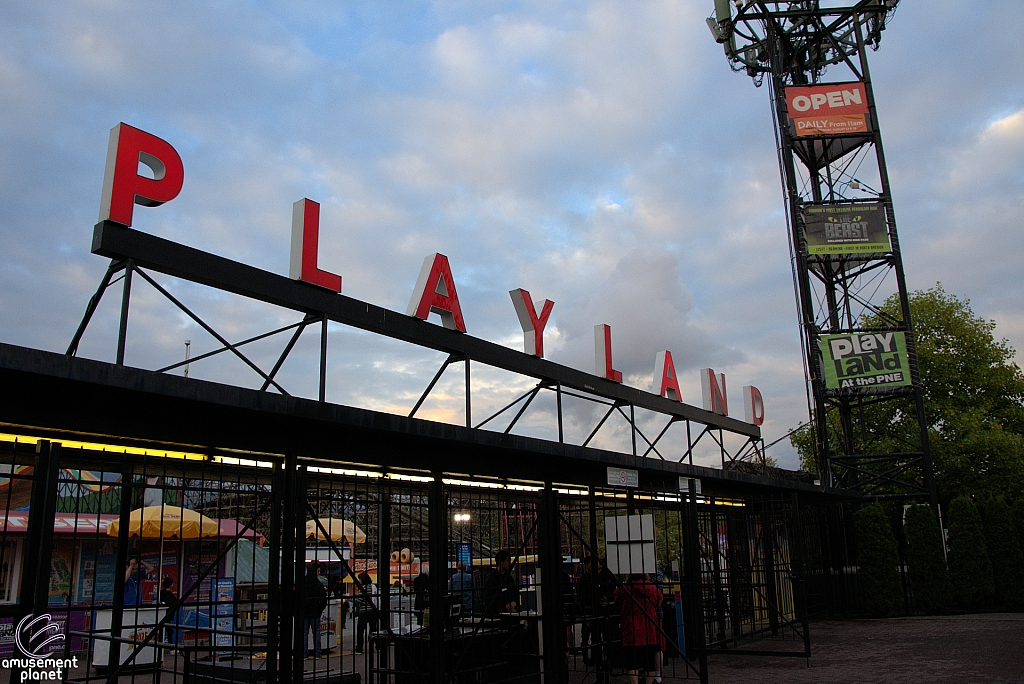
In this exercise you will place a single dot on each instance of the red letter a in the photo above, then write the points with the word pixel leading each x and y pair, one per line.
pixel 435 292
pixel 665 379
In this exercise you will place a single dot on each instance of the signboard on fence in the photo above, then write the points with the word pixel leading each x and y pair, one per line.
pixel 630 543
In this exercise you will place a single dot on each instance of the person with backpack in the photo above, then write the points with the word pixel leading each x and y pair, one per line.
pixel 315 603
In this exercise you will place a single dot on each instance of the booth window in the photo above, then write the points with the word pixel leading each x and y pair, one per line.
pixel 8 571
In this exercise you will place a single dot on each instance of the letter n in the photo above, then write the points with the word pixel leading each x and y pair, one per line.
pixel 123 187
pixel 665 381
pixel 435 293
pixel 305 245
pixel 603 353
pixel 713 389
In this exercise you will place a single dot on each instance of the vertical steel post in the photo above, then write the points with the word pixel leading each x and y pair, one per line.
pixel 691 558
pixel 94 302
pixel 39 540
pixel 437 522
pixel 796 541
pixel 632 429
pixel 592 512
pixel 469 403
pixel 550 548
pixel 323 358
pixel 716 568
pixel 30 560
pixel 558 402
pixel 288 629
pixel 277 495
pixel 383 573
pixel 124 522
pixel 771 591
pixel 126 295
pixel 49 511
pixel 298 524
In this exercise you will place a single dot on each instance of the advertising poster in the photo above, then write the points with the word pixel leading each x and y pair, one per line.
pixel 864 360
pixel 464 553
pixel 198 556
pixel 831 109
pixel 60 574
pixel 224 610
pixel 845 228
pixel 96 563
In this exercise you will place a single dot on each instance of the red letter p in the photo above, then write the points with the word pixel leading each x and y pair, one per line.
pixel 123 187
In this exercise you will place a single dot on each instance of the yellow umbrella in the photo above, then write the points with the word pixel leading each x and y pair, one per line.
pixel 167 522
pixel 338 529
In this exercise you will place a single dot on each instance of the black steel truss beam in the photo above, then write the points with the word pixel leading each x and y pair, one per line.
pixel 148 251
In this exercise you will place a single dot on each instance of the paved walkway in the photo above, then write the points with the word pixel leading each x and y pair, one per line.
pixel 964 648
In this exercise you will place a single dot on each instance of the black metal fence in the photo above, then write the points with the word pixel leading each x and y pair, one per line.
pixel 167 567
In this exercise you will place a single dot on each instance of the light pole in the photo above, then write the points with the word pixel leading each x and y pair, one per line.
pixel 187 344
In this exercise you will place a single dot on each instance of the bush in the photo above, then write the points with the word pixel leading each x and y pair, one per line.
pixel 879 562
pixel 1005 554
pixel 969 566
pixel 933 592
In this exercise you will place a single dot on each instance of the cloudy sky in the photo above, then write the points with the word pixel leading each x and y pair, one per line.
pixel 599 154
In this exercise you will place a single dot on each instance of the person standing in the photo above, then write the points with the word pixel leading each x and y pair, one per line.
pixel 168 598
pixel 421 601
pixel 315 602
pixel 502 589
pixel 594 590
pixel 461 587
pixel 369 606
pixel 642 638
pixel 338 591
pixel 136 571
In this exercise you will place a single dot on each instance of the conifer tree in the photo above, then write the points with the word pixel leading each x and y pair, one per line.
pixel 929 577
pixel 969 565
pixel 1005 553
pixel 878 561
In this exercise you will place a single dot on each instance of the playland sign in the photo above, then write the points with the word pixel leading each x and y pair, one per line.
pixel 435 290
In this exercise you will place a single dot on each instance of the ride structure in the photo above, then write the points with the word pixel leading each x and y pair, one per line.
pixel 860 361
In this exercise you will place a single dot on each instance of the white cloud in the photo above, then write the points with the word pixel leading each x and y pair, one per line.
pixel 600 155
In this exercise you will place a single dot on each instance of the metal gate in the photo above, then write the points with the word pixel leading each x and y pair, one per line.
pixel 168 567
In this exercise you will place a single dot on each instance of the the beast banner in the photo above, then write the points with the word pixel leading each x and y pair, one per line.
pixel 865 360
pixel 845 228
pixel 833 109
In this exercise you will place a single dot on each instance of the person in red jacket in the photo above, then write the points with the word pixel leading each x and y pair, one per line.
pixel 642 640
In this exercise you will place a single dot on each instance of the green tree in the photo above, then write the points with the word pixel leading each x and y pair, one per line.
pixel 973 395
pixel 969 565
pixel 1005 553
pixel 1017 516
pixel 933 592
pixel 878 561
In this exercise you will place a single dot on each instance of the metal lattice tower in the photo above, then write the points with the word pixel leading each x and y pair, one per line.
pixel 864 388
